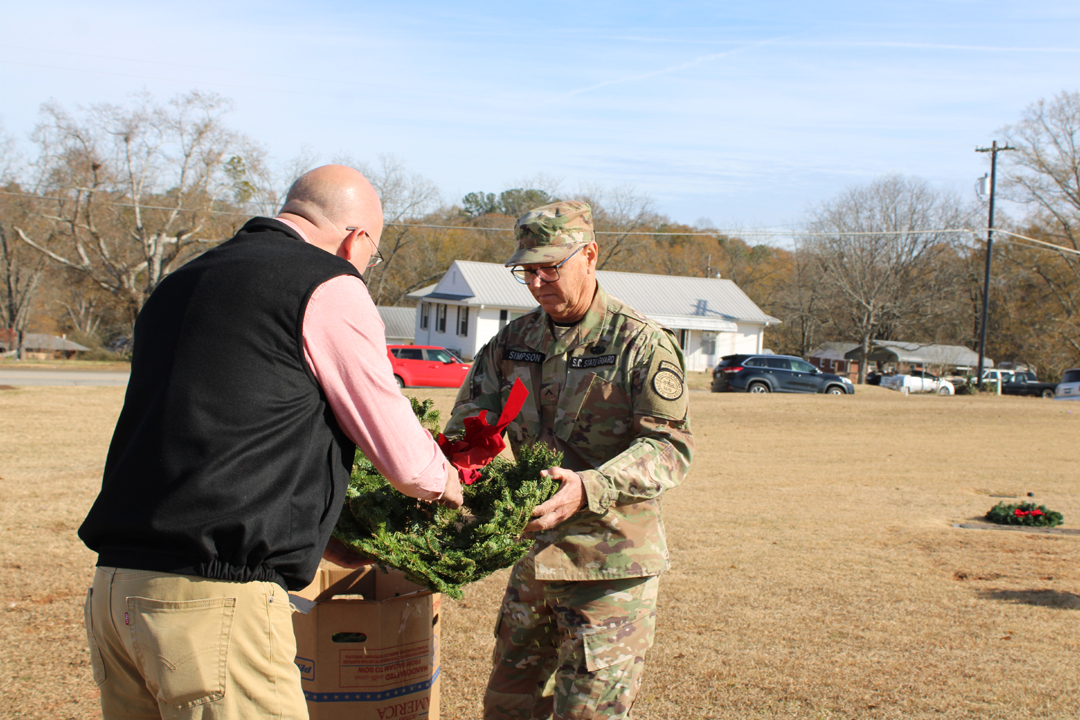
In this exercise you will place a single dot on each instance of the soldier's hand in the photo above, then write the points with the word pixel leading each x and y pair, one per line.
pixel 451 496
pixel 568 500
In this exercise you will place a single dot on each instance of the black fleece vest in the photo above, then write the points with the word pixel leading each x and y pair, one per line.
pixel 226 461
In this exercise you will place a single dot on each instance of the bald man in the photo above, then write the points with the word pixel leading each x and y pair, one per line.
pixel 257 370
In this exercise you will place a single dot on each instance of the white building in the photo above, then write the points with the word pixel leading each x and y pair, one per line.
pixel 399 324
pixel 473 301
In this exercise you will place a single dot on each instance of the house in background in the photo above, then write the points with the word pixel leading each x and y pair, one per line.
pixel 39 346
pixel 400 324
pixel 829 357
pixel 843 358
pixel 907 355
pixel 712 317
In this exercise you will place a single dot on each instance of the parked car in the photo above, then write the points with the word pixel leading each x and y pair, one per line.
pixel 918 381
pixel 426 366
pixel 1025 383
pixel 1069 387
pixel 775 373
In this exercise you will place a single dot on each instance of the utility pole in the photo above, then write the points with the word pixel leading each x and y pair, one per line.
pixel 993 150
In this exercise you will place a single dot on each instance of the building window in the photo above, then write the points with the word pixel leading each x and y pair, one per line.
pixel 440 318
pixel 504 316
pixel 424 308
pixel 708 343
pixel 463 321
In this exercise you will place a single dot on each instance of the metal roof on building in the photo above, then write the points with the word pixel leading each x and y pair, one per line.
pixel 833 350
pixel 400 322
pixel 687 298
pixel 677 302
pixel 492 284
pixel 920 354
pixel 41 341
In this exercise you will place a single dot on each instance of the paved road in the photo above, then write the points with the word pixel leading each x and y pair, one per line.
pixel 61 377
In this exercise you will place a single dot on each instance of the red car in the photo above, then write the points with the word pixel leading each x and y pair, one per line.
pixel 426 366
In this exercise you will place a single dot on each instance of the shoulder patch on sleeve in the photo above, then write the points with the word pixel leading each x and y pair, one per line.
pixel 667 384
pixel 664 391
pixel 668 365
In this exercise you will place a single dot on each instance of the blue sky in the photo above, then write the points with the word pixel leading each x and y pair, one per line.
pixel 742 113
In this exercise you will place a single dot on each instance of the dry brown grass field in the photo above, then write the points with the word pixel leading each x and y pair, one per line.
pixel 817 572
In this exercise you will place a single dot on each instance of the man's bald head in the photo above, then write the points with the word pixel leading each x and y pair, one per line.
pixel 335 196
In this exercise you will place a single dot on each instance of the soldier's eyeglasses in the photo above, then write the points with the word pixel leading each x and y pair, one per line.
pixel 377 257
pixel 547 273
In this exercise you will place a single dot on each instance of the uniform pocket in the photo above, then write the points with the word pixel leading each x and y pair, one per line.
pixel 96 663
pixel 182 647
pixel 595 417
pixel 610 646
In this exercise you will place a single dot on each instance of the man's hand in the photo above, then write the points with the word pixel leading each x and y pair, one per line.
pixel 451 496
pixel 339 554
pixel 568 500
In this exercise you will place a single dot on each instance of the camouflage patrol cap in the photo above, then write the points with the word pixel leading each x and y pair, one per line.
pixel 550 233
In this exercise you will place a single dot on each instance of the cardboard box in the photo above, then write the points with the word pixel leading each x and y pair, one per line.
pixel 367 646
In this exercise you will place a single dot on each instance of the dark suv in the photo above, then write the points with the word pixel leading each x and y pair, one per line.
pixel 775 373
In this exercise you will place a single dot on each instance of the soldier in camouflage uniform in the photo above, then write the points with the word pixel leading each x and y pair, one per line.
pixel 606 387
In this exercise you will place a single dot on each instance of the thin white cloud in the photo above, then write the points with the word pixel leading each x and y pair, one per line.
pixel 934 46
pixel 673 69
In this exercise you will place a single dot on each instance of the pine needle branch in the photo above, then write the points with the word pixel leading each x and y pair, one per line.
pixel 440 548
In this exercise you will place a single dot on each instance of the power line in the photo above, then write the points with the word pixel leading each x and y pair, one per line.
pixel 731 232
pixel 1039 244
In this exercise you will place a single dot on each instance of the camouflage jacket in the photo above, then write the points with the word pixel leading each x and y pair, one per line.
pixel 611 395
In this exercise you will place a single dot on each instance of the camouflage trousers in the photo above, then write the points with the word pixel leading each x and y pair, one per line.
pixel 570 650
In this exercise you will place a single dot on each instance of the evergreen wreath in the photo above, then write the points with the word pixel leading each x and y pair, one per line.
pixel 1024 514
pixel 435 546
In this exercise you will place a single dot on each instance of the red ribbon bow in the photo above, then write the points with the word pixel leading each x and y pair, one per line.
pixel 482 442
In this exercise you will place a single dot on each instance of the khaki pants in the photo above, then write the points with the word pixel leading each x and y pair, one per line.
pixel 173 646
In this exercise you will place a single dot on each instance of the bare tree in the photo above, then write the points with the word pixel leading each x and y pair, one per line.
pixel 21 269
pixel 20 276
pixel 11 158
pixel 623 215
pixel 133 192
pixel 265 184
pixel 801 305
pixel 1044 174
pixel 877 245
pixel 84 309
pixel 405 197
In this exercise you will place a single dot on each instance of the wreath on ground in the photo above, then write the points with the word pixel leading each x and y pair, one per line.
pixel 1024 514
pixel 440 548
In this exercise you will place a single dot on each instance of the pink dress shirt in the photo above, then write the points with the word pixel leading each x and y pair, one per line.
pixel 345 347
